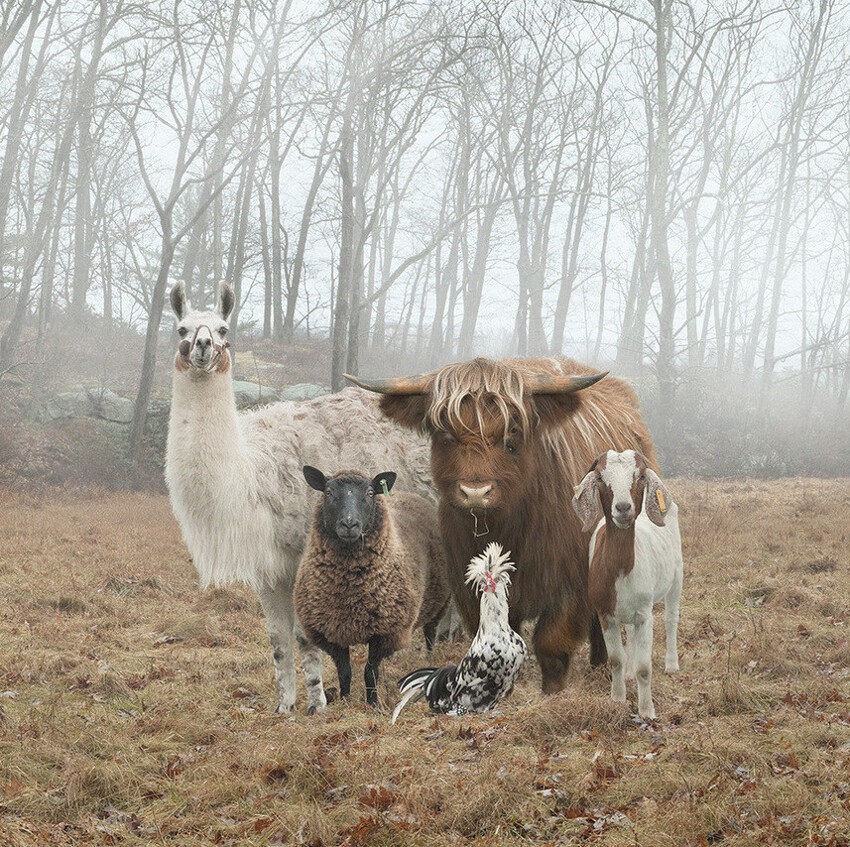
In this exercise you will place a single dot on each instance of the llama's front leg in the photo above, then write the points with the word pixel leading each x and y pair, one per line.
pixel 643 664
pixel 280 625
pixel 671 626
pixel 312 662
pixel 616 658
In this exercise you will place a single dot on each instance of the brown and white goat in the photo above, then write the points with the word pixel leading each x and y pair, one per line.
pixel 635 562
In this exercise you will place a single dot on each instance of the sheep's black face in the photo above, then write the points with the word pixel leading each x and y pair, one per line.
pixel 348 507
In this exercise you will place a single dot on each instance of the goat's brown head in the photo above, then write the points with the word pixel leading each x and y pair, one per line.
pixel 203 335
pixel 618 482
pixel 484 419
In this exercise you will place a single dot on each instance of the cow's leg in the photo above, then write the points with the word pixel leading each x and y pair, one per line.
pixel 598 653
pixel 556 636
pixel 280 624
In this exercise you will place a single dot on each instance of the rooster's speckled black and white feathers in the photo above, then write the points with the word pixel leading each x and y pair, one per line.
pixel 488 671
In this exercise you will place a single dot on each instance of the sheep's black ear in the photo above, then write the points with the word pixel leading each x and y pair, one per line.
pixel 226 300
pixel 384 482
pixel 315 478
pixel 179 303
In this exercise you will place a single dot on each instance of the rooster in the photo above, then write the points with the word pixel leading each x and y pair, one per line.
pixel 488 671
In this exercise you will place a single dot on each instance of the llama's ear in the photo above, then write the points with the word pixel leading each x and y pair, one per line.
pixel 179 303
pixel 315 478
pixel 586 502
pixel 657 498
pixel 384 482
pixel 226 300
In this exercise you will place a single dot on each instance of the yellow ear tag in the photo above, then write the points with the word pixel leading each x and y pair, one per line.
pixel 659 496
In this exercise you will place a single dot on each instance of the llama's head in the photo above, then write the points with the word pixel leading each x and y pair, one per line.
pixel 203 335
pixel 350 505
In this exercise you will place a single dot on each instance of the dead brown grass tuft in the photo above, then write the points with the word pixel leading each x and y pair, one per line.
pixel 135 709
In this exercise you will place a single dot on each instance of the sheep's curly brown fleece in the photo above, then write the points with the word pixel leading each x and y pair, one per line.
pixel 388 582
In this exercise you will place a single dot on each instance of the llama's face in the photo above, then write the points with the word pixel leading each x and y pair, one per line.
pixel 203 335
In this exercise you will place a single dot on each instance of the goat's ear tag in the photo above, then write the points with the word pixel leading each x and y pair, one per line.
pixel 387 491
pixel 659 496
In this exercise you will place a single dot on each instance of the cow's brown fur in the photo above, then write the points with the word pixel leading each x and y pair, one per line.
pixel 485 427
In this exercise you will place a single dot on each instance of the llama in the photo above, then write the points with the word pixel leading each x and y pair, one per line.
pixel 374 569
pixel 635 562
pixel 234 479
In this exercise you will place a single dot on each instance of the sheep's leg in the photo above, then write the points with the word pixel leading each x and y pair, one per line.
pixel 671 624
pixel 643 663
pixel 342 660
pixel 378 651
pixel 616 658
pixel 311 662
pixel 280 625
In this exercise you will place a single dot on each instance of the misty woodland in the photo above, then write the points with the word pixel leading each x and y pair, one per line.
pixel 659 187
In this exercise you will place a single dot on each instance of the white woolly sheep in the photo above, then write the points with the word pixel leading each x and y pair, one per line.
pixel 373 569
pixel 635 561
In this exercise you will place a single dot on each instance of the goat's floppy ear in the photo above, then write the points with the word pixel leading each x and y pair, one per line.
pixel 179 303
pixel 226 300
pixel 586 502
pixel 657 498
pixel 315 478
pixel 384 482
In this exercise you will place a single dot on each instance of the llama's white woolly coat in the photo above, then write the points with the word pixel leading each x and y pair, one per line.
pixel 235 479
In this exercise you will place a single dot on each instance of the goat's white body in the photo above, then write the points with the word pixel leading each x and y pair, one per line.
pixel 657 575
pixel 237 491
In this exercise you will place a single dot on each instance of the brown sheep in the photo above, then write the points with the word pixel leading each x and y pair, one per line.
pixel 371 571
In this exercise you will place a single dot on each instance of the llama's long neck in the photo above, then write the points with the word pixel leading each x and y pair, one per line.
pixel 204 436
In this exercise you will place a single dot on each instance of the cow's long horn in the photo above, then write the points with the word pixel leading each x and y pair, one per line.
pixel 554 384
pixel 395 385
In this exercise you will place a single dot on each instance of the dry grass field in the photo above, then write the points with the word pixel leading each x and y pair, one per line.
pixel 135 709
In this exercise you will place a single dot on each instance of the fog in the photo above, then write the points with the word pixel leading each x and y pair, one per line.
pixel 658 188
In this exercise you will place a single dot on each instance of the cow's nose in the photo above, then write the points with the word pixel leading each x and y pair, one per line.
pixel 624 507
pixel 476 495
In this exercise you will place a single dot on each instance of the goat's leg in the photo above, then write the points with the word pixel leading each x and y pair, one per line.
pixel 643 663
pixel 280 625
pixel 616 657
pixel 630 653
pixel 311 662
pixel 671 624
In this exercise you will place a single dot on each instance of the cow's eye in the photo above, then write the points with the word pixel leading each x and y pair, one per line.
pixel 182 331
pixel 510 447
